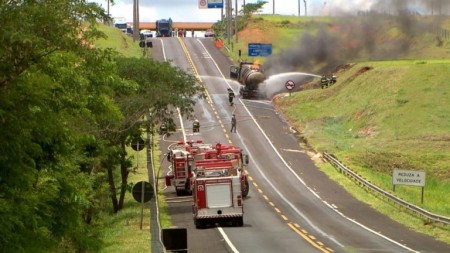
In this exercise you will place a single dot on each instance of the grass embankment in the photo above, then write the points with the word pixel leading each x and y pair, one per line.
pixel 122 231
pixel 118 41
pixel 380 116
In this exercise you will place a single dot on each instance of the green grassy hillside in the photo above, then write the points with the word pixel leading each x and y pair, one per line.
pixel 118 41
pixel 381 116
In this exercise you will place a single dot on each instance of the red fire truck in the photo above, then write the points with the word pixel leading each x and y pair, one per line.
pixel 180 172
pixel 217 198
pixel 184 157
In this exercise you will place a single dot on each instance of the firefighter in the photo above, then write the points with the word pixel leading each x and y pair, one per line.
pixel 230 96
pixel 162 129
pixel 324 82
pixel 333 79
pixel 196 126
pixel 233 124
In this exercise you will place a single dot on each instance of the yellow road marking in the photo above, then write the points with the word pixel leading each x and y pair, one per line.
pixel 313 243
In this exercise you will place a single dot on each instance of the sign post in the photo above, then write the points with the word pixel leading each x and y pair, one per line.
pixel 290 85
pixel 408 177
pixel 137 145
pixel 143 193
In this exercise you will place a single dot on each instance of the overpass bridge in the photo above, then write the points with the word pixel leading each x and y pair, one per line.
pixel 195 26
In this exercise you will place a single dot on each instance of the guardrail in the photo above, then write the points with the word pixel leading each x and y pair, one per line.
pixel 410 207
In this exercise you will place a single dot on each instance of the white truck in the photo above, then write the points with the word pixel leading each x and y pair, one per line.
pixel 217 200
pixel 121 23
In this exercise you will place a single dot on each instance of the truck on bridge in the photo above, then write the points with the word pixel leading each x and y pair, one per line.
pixel 164 28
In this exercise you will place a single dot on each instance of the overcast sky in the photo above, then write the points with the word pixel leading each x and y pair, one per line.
pixel 188 10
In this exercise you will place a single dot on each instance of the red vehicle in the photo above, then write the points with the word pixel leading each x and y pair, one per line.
pixel 180 172
pixel 187 157
pixel 217 198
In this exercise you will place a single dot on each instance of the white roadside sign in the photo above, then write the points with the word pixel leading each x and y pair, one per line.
pixel 408 177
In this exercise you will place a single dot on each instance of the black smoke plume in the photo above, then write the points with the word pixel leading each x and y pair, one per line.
pixel 385 31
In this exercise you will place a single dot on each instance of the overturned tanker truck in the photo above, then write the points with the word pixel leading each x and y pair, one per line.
pixel 250 76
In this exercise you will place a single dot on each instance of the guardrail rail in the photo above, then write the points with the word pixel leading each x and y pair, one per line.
pixel 431 217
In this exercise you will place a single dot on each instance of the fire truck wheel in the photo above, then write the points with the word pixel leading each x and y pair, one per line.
pixel 241 222
pixel 238 222
pixel 199 223
pixel 245 188
pixel 187 189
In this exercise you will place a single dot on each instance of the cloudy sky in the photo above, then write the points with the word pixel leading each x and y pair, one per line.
pixel 188 10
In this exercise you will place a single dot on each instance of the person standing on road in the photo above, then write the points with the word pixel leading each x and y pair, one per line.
pixel 233 123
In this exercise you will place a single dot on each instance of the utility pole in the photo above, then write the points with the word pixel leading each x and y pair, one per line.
pixel 137 15
pixel 273 7
pixel 236 30
pixel 299 8
pixel 229 22
pixel 135 20
pixel 305 7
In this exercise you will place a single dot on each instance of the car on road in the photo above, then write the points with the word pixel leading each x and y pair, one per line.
pixel 146 33
pixel 210 33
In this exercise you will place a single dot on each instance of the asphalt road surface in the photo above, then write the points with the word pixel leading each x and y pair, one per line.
pixel 291 206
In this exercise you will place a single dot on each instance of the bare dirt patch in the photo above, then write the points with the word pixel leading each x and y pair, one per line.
pixel 258 32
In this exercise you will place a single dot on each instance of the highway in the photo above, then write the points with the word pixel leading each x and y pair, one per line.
pixel 292 206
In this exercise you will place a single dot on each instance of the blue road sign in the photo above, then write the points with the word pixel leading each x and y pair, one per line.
pixel 215 3
pixel 259 49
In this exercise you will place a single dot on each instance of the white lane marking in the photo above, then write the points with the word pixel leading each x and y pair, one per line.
pixel 227 240
pixel 293 150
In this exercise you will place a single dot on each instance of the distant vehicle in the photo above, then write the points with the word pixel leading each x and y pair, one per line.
pixel 146 33
pixel 164 28
pixel 210 33
pixel 121 23
pixel 129 29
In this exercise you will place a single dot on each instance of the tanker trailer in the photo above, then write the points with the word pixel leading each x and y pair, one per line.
pixel 249 75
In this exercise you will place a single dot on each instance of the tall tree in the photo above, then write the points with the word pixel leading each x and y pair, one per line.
pixel 251 8
pixel 67 111
pixel 153 88
pixel 53 97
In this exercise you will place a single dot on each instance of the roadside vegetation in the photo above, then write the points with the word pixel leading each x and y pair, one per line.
pixel 69 110
pixel 388 110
